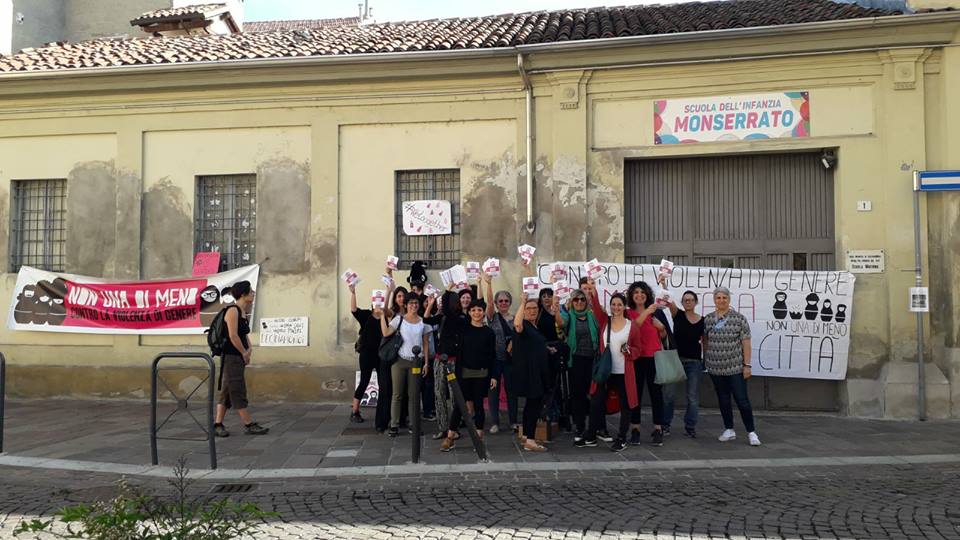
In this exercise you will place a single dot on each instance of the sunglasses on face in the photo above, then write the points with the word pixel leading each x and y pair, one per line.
pixel 580 299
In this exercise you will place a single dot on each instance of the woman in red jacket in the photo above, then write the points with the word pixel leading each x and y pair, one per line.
pixel 624 340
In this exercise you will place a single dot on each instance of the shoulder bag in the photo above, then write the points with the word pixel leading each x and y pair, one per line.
pixel 390 345
pixel 603 365
pixel 668 365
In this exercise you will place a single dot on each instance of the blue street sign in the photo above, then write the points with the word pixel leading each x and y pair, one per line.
pixel 937 181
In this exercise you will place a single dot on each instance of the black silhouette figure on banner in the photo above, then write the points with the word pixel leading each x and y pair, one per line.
pixel 55 291
pixel 209 304
pixel 826 313
pixel 41 310
pixel 796 315
pixel 26 300
pixel 780 306
pixel 811 310
pixel 841 313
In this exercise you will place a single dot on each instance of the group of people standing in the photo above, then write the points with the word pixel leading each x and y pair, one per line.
pixel 544 356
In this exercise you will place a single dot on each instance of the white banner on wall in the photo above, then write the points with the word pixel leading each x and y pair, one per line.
pixel 422 218
pixel 799 321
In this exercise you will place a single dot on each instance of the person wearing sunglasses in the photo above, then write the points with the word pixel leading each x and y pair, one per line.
pixel 582 330
pixel 500 320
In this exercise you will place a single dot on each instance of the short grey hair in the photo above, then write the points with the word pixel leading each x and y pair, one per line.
pixel 503 293
pixel 721 290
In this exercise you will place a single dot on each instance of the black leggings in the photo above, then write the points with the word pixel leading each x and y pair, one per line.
pixel 385 382
pixel 365 375
pixel 580 378
pixel 598 407
pixel 474 390
pixel 531 413
pixel 646 371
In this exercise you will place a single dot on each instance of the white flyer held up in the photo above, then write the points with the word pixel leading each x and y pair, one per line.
pixel 378 298
pixel 594 269
pixel 392 262
pixel 526 252
pixel 531 286
pixel 563 290
pixel 492 267
pixel 473 270
pixel 350 277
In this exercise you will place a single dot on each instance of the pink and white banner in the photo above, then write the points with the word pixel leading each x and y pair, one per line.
pixel 732 118
pixel 54 302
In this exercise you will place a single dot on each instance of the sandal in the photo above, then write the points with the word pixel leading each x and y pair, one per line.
pixel 531 446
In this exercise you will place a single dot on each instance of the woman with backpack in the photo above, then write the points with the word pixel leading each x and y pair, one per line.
pixel 235 358
pixel 414 333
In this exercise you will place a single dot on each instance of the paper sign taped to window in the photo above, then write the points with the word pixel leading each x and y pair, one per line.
pixel 424 218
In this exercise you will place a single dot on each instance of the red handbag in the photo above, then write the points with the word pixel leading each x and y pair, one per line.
pixel 613 401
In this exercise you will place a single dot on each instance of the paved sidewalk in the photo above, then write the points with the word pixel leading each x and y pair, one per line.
pixel 307 438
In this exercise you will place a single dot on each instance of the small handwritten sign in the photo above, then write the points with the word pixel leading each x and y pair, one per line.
pixel 284 332
pixel 206 263
pixel 422 218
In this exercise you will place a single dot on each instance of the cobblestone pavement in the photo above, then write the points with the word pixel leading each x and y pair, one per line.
pixel 821 502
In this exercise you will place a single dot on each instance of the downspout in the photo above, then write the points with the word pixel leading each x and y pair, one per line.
pixel 528 90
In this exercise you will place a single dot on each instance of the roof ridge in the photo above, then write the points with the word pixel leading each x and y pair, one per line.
pixel 479 32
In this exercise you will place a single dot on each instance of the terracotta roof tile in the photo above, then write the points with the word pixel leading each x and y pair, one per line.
pixel 172 13
pixel 439 34
pixel 300 24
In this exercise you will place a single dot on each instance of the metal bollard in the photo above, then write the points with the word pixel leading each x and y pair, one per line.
pixel 462 404
pixel 417 372
pixel 3 394
pixel 183 404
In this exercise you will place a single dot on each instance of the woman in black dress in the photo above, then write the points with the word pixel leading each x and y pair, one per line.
pixel 529 371
pixel 368 345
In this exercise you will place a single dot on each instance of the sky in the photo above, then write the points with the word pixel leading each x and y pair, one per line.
pixel 405 10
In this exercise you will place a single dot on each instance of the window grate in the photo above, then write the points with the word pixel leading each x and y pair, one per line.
pixel 437 251
pixel 226 218
pixel 38 224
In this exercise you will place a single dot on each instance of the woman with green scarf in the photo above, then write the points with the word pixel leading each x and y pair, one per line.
pixel 582 332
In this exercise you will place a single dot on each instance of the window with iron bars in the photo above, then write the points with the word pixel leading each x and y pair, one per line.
pixel 437 251
pixel 38 224
pixel 226 218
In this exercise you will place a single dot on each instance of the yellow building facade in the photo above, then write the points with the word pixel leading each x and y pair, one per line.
pixel 326 137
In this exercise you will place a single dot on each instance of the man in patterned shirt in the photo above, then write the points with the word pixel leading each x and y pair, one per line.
pixel 726 353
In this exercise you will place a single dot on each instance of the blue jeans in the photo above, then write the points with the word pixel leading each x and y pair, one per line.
pixel 693 369
pixel 735 386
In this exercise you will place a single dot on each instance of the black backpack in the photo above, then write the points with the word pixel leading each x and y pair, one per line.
pixel 217 333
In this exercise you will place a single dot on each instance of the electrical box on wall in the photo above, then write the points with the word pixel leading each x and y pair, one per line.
pixel 864 206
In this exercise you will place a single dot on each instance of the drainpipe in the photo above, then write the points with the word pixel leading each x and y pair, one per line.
pixel 528 89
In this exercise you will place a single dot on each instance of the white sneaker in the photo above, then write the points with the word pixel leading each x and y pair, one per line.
pixel 728 435
pixel 754 440
pixel 494 429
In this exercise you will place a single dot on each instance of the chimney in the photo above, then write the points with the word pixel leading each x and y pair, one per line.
pixel 366 13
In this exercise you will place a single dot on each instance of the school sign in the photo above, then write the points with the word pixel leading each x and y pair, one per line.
pixel 732 118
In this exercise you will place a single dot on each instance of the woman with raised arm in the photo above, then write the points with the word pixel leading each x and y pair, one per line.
pixel 582 329
pixel 528 369
pixel 452 320
pixel 501 322
pixel 642 310
pixel 367 347
pixel 414 333
pixel 688 332
pixel 623 339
